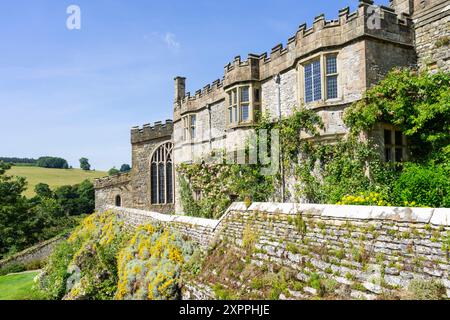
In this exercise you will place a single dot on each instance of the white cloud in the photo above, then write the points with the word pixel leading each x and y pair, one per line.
pixel 171 41
pixel 168 38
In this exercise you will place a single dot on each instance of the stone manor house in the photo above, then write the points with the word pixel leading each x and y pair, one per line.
pixel 324 67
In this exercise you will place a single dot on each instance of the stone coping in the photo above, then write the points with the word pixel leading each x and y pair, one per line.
pixel 208 223
pixel 435 216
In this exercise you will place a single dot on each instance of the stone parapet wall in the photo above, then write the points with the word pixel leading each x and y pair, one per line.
pixel 323 34
pixel 118 179
pixel 147 132
pixel 371 249
pixel 201 231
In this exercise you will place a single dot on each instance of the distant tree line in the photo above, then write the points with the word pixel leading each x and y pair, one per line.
pixel 25 222
pixel 30 161
pixel 51 162
pixel 43 162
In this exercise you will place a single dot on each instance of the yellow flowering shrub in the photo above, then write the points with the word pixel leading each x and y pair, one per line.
pixel 149 266
pixel 94 246
pixel 370 199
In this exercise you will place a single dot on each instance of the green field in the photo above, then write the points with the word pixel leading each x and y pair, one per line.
pixel 52 177
pixel 17 286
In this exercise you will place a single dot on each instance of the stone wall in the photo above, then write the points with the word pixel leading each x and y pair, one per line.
pixel 134 187
pixel 201 231
pixel 368 249
pixel 108 188
pixel 432 39
pixel 37 253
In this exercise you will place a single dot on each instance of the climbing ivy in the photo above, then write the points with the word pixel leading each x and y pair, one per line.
pixel 217 185
pixel 417 103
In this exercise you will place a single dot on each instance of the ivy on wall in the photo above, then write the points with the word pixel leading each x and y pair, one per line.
pixel 417 103
pixel 218 185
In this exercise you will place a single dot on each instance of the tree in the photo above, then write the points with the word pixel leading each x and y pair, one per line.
pixel 125 168
pixel 13 212
pixel 43 190
pixel 84 164
pixel 76 199
pixel 67 197
pixel 113 171
pixel 86 194
pixel 52 162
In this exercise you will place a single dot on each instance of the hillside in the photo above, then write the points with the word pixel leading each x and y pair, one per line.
pixel 53 177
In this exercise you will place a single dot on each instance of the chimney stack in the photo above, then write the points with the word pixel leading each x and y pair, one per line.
pixel 180 88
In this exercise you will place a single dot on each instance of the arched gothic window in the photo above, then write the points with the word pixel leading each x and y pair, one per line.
pixel 118 201
pixel 162 175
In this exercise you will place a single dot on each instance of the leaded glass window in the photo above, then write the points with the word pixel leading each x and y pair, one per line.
pixel 162 175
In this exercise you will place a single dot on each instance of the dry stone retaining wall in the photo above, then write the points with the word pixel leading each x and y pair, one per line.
pixel 370 249
pixel 36 253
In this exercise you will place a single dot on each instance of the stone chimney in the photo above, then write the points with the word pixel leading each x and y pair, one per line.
pixel 180 88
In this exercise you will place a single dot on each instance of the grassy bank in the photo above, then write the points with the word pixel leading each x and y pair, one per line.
pixel 53 177
pixel 17 286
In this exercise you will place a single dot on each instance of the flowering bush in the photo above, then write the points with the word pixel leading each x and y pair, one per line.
pixel 89 258
pixel 369 199
pixel 149 266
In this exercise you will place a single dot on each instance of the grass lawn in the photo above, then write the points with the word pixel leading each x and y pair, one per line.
pixel 17 286
pixel 52 177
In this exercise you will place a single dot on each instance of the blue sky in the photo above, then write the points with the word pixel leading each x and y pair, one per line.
pixel 77 93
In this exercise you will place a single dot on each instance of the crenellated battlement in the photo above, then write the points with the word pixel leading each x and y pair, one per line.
pixel 115 180
pixel 148 132
pixel 377 22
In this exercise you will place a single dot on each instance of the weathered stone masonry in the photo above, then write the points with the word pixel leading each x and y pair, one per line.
pixel 409 33
pixel 346 243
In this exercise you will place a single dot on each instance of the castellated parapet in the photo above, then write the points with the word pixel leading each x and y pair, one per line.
pixel 115 180
pixel 148 132
pixel 323 34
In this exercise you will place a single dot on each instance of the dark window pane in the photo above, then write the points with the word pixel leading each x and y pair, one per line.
pixel 398 138
pixel 387 154
pixel 387 136
pixel 154 184
pixel 398 154
pixel 161 183
pixel 169 182
pixel 118 201
pixel 257 95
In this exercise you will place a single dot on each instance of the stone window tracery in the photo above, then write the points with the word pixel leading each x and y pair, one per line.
pixel 162 175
